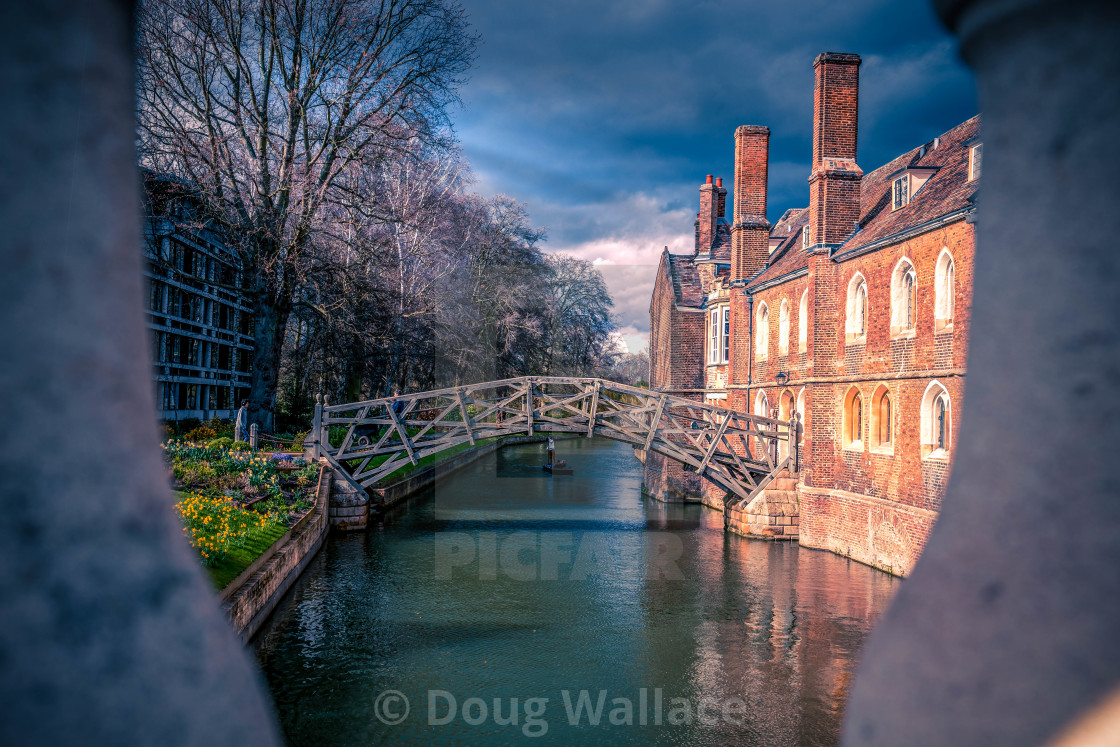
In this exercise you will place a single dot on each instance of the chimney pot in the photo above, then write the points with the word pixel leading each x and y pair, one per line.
pixel 719 181
pixel 709 180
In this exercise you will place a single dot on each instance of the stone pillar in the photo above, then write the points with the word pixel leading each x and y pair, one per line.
pixel 1008 627
pixel 109 631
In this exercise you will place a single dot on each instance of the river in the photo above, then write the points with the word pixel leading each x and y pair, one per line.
pixel 509 607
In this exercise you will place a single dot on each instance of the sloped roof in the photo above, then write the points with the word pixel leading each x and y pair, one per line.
pixel 787 257
pixel 687 289
pixel 721 246
pixel 946 191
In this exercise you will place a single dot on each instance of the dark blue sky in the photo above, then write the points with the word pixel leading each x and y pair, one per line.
pixel 604 117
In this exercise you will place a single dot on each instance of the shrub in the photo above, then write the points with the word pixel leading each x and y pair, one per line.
pixel 225 442
pixel 239 445
pixel 221 428
pixel 201 434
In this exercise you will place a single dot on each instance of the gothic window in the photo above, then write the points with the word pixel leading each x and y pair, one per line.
pixel 783 328
pixel 937 421
pixel 944 291
pixel 856 322
pixel 803 323
pixel 882 419
pixel 904 298
pixel 853 419
pixel 762 333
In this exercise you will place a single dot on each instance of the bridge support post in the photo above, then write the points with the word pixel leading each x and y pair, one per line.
pixel 317 428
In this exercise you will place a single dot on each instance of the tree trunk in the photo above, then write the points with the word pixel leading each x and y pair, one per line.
pixel 270 320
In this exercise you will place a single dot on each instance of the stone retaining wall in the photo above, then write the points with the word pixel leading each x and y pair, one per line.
pixel 775 513
pixel 252 596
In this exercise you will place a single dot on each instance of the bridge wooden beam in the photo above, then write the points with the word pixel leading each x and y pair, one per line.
pixel 403 434
pixel 653 423
pixel 529 405
pixel 593 407
pixel 466 417
pixel 715 442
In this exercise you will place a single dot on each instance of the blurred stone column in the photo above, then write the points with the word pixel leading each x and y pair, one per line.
pixel 109 633
pixel 1010 624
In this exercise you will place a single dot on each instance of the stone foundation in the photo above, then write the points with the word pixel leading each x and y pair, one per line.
pixel 884 534
pixel 775 513
pixel 349 506
pixel 666 480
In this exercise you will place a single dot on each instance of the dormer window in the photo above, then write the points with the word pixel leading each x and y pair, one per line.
pixel 974 154
pixel 900 192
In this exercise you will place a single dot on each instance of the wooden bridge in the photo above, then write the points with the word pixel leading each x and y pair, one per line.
pixel 738 451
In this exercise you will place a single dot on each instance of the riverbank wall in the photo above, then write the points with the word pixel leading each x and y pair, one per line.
pixel 250 598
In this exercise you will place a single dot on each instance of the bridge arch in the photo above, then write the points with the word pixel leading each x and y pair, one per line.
pixel 384 435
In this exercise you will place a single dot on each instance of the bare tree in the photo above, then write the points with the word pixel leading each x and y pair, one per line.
pixel 579 309
pixel 266 107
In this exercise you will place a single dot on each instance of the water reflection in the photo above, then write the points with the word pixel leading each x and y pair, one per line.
pixel 504 583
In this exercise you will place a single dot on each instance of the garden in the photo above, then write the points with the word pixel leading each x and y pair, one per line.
pixel 235 501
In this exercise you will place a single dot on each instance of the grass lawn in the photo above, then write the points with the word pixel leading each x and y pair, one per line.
pixel 240 558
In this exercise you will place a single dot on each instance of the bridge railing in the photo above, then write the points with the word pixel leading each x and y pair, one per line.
pixel 737 450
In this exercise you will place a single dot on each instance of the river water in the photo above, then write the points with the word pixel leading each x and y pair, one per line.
pixel 509 607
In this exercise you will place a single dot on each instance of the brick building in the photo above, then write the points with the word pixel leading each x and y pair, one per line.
pixel 198 315
pixel 851 312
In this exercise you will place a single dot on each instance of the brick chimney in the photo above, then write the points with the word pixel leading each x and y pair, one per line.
pixel 834 184
pixel 706 219
pixel 750 231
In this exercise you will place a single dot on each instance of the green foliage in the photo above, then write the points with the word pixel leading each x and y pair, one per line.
pixel 225 442
pixel 240 446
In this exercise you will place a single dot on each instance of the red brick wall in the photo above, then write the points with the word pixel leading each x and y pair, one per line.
pixel 834 189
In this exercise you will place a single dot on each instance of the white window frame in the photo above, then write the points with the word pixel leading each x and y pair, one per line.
pixel 855 333
pixel 900 199
pixel 929 426
pixel 762 332
pixel 713 335
pixel 725 337
pixel 803 323
pixel 900 300
pixel 975 164
pixel 783 328
pixel 944 291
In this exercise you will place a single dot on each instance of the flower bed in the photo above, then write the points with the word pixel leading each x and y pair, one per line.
pixel 236 503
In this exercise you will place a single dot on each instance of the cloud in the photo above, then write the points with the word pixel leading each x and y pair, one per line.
pixel 604 117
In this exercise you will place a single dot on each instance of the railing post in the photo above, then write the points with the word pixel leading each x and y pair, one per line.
pixel 253 436
pixel 324 430
pixel 316 428
pixel 794 445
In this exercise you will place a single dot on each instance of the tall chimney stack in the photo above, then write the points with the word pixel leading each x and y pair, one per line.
pixel 706 220
pixel 834 185
pixel 750 231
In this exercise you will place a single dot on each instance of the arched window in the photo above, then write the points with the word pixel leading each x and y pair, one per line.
pixel 937 421
pixel 853 419
pixel 803 323
pixel 856 322
pixel 882 419
pixel 785 412
pixel 801 406
pixel 783 328
pixel 904 298
pixel 762 409
pixel 762 333
pixel 944 291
